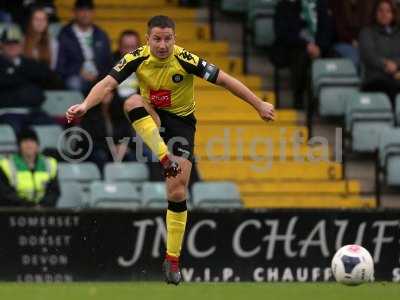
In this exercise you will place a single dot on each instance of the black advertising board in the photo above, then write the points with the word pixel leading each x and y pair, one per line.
pixel 262 246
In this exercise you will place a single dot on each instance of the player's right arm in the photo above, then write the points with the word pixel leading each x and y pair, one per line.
pixel 96 95
pixel 125 67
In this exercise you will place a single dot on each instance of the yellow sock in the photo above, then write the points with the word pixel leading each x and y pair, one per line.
pixel 147 129
pixel 176 223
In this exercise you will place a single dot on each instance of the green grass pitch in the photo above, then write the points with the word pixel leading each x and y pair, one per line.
pixel 199 291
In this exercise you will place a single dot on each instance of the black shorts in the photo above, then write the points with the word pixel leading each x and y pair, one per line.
pixel 178 133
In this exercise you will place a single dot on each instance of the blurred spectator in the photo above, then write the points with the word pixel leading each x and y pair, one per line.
pixel 22 81
pixel 304 31
pixel 350 16
pixel 38 43
pixel 20 10
pixel 28 178
pixel 380 50
pixel 84 54
pixel 129 41
pixel 5 17
pixel 108 120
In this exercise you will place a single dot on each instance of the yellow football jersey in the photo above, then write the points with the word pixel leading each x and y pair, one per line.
pixel 166 83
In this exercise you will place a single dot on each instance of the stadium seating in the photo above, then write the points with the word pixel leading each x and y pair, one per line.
pixel 265 169
pixel 389 155
pixel 154 195
pixel 71 196
pixel 312 187
pixel 234 6
pixel 215 195
pixel 214 99
pixel 260 22
pixel 261 151
pixel 57 102
pixel 82 174
pixel 186 31
pixel 50 136
pixel 232 65
pixel 78 172
pixel 333 72
pixel 308 202
pixel 247 132
pixel 8 140
pixel 252 81
pixel 124 13
pixel 247 115
pixel 329 74
pixel 118 195
pixel 333 100
pixel 138 3
pixel 397 110
pixel 367 114
pixel 126 171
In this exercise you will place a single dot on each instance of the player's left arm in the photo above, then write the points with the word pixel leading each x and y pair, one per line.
pixel 203 69
pixel 265 109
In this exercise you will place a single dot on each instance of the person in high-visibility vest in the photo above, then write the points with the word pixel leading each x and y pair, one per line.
pixel 28 178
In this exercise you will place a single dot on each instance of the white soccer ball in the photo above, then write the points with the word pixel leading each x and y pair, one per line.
pixel 353 265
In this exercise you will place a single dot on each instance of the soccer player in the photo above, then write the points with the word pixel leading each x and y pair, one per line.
pixel 165 73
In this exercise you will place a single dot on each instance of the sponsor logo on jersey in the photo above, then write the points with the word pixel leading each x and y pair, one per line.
pixel 187 56
pixel 137 51
pixel 160 98
pixel 122 63
pixel 177 78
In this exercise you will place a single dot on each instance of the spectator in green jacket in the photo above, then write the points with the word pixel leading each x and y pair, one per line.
pixel 28 178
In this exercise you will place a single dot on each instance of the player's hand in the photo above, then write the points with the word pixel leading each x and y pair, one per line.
pixel 266 111
pixel 313 50
pixel 390 66
pixel 75 111
pixel 171 167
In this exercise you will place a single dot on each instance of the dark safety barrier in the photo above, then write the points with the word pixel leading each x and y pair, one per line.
pixel 261 246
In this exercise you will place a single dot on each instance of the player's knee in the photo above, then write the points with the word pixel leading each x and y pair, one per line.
pixel 132 102
pixel 177 194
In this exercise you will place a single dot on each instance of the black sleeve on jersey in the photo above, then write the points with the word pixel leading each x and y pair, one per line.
pixel 208 71
pixel 203 69
pixel 124 69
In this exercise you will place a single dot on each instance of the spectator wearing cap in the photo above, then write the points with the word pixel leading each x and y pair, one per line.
pixel 22 81
pixel 84 54
pixel 380 51
pixel 28 178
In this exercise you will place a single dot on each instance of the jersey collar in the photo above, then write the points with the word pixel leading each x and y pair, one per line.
pixel 160 61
